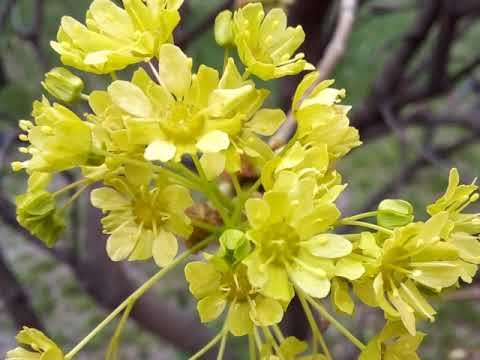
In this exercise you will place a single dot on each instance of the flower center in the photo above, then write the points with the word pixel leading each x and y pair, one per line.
pixel 238 284
pixel 149 212
pixel 282 244
pixel 182 123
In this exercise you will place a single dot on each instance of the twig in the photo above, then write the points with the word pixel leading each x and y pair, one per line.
pixel 333 54
pixel 407 173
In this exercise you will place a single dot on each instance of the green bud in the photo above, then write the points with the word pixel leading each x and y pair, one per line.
pixel 224 28
pixel 37 212
pixel 63 85
pixel 234 246
pixel 394 213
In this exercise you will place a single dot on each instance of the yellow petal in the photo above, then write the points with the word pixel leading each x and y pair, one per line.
pixel 160 150
pixel 213 142
pixel 175 69
pixel 130 98
pixel 165 248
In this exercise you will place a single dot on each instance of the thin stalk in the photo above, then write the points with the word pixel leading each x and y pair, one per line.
pixel 207 347
pixel 136 295
pixel 74 198
pixel 342 329
pixel 207 226
pixel 211 193
pixel 362 216
pixel 69 187
pixel 366 225
pixel 84 97
pixel 112 347
pixel 251 347
pixel 223 343
pixel 236 183
pixel 268 335
pixel 317 334
pixel 113 75
pixel 278 332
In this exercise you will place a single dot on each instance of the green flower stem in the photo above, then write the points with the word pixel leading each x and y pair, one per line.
pixel 269 336
pixel 342 329
pixel 254 187
pixel 84 97
pixel 207 347
pixel 74 198
pixel 113 75
pixel 251 348
pixel 113 346
pixel 258 340
pixel 207 226
pixel 366 225
pixel 278 332
pixel 223 343
pixel 70 186
pixel 362 216
pixel 137 294
pixel 236 183
pixel 317 334
pixel 211 192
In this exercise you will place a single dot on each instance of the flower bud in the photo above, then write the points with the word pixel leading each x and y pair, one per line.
pixel 224 29
pixel 63 85
pixel 394 213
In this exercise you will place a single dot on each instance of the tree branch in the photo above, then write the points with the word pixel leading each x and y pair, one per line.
pixel 333 54
pixel 16 299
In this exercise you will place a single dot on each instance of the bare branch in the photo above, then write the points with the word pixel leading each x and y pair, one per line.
pixel 16 298
pixel 333 54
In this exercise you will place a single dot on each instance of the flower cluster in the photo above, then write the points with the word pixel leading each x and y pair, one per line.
pixel 157 146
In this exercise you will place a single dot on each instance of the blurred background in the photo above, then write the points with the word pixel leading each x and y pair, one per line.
pixel 412 73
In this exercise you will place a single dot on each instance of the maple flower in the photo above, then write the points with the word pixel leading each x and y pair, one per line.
pixel 42 348
pixel 222 281
pixel 143 222
pixel 289 228
pixel 264 42
pixel 116 37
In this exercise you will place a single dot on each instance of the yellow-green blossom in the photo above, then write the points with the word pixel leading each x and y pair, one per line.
pixel 465 227
pixel 58 139
pixel 394 213
pixel 321 120
pixel 42 348
pixel 186 114
pixel 222 281
pixel 143 222
pixel 63 85
pixel 402 269
pixel 37 212
pixel 289 228
pixel 116 37
pixel 266 45
pixel 290 348
pixel 393 343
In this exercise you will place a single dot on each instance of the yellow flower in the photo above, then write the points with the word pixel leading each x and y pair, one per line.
pixel 393 343
pixel 42 348
pixel 59 140
pixel 114 38
pixel 143 222
pixel 402 269
pixel 186 113
pixel 222 281
pixel 266 45
pixel 321 120
pixel 289 228
pixel 63 85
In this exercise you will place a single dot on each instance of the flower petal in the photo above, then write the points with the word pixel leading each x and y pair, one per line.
pixel 160 150
pixel 130 98
pixel 165 248
pixel 175 69
pixel 213 142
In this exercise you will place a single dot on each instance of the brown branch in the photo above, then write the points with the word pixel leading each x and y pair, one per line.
pixel 6 10
pixel 16 299
pixel 109 284
pixel 333 54
pixel 407 173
